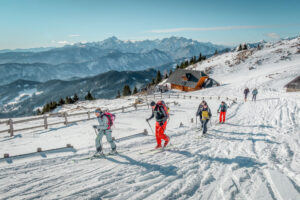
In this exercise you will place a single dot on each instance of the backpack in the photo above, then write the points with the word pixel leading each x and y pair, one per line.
pixel 163 105
pixel 111 118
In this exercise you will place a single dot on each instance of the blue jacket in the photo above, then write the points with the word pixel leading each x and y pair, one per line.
pixel 255 91
pixel 223 108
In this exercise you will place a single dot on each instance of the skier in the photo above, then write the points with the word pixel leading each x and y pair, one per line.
pixel 160 112
pixel 206 115
pixel 199 112
pixel 254 93
pixel 223 108
pixel 105 122
pixel 246 92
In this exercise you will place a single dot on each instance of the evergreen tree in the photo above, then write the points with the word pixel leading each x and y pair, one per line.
pixel 170 73
pixel 135 90
pixel 200 57
pixel 216 52
pixel 177 66
pixel 118 95
pixel 158 77
pixel 68 100
pixel 38 112
pixel 126 90
pixel 89 96
pixel 166 76
pixel 75 98
pixel 245 47
pixel 153 81
pixel 240 48
pixel 61 102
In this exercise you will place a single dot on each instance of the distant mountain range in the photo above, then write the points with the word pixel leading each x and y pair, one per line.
pixel 22 97
pixel 89 59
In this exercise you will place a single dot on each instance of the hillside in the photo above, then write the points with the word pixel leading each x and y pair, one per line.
pixel 254 155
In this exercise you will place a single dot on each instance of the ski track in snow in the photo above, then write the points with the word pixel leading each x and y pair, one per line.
pixel 254 155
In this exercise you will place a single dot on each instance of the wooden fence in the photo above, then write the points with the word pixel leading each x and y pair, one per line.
pixel 64 118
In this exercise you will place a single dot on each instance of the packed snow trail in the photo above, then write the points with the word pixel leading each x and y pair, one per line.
pixel 248 157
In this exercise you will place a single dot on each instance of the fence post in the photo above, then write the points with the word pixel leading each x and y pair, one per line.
pixel 183 96
pixel 178 96
pixel 153 96
pixel 89 115
pixel 135 106
pixel 190 97
pixel 122 108
pixel 218 98
pixel 11 127
pixel 45 122
pixel 66 118
pixel 203 98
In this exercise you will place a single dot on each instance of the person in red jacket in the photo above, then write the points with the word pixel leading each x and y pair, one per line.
pixel 161 123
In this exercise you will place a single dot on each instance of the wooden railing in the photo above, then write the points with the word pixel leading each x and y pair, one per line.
pixel 61 118
pixel 65 118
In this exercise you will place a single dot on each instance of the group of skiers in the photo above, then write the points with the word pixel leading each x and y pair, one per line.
pixel 161 114
pixel 254 93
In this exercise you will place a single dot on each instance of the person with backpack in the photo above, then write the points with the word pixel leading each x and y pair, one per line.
pixel 199 112
pixel 206 115
pixel 105 120
pixel 254 93
pixel 161 114
pixel 223 108
pixel 246 92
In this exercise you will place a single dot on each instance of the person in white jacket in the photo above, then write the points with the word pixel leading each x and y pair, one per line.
pixel 103 129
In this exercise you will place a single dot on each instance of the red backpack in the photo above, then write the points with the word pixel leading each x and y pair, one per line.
pixel 111 118
pixel 164 106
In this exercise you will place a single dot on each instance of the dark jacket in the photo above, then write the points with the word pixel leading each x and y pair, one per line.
pixel 246 91
pixel 159 113
pixel 199 112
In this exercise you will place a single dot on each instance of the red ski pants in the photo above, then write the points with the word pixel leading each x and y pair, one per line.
pixel 222 116
pixel 159 133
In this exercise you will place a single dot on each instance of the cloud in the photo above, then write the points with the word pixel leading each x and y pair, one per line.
pixel 74 35
pixel 61 42
pixel 273 35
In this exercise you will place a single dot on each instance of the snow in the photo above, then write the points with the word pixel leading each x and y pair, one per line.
pixel 254 155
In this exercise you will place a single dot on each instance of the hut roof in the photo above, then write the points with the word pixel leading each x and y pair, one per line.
pixel 295 83
pixel 185 77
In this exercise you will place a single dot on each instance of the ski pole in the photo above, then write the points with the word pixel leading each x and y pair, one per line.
pixel 196 120
pixel 95 131
pixel 150 127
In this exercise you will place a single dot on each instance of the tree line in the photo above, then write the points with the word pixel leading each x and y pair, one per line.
pixel 68 100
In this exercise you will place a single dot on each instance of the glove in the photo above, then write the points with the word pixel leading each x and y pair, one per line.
pixel 147 120
pixel 94 126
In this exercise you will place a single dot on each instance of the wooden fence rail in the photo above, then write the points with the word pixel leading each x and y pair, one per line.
pixel 65 117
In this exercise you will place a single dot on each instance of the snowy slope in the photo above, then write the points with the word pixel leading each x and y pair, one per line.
pixel 255 155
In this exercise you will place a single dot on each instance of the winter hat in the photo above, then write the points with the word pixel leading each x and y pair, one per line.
pixel 152 103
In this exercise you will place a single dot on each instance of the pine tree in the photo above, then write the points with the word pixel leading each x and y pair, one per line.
pixel 75 98
pixel 153 81
pixel 240 48
pixel 200 57
pixel 170 73
pixel 216 52
pixel 118 95
pixel 68 100
pixel 245 47
pixel 135 90
pixel 61 102
pixel 89 96
pixel 158 77
pixel 177 66
pixel 126 90
pixel 38 112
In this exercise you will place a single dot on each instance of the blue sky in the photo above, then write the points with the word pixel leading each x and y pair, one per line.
pixel 41 23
